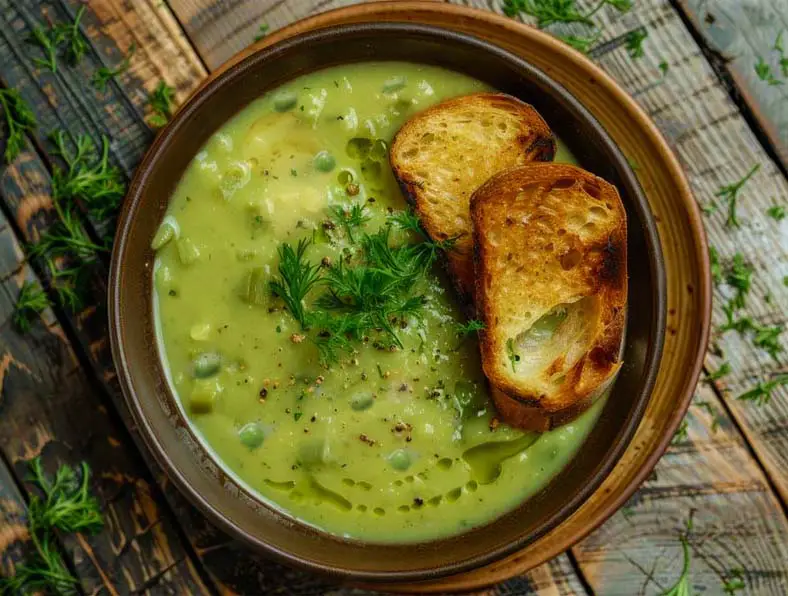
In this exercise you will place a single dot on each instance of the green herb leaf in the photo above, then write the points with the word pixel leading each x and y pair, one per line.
pixel 764 72
pixel 634 42
pixel 105 74
pixel 581 44
pixel 730 193
pixel 350 219
pixel 162 104
pixel 716 267
pixel 31 300
pixel 682 585
pixel 472 326
pixel 19 119
pixel 762 393
pixel 724 369
pixel 262 31
pixel 664 67
pixel 739 276
pixel 777 212
pixel 682 432
pixel 297 276
pixel 734 582
pixel 548 12
pixel 58 36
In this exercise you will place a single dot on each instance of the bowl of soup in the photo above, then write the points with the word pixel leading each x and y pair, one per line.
pixel 382 460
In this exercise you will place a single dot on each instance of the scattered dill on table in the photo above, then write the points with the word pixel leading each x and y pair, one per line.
pixel 32 300
pixel 761 394
pixel 19 119
pixel 61 505
pixel 777 212
pixel 716 266
pixel 634 42
pixel 764 72
pixel 105 74
pixel 57 37
pixel 581 44
pixel 739 277
pixel 730 194
pixel 262 31
pixel 162 104
pixel 734 582
pixel 664 67
pixel 723 370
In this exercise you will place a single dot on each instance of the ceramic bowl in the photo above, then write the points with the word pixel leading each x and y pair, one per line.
pixel 180 451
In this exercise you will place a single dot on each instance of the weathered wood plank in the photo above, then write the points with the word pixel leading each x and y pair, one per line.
pixel 51 408
pixel 744 33
pixel 738 523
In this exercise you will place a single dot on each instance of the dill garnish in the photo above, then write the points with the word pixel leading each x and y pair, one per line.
pixel 730 193
pixel 581 44
pixel 56 36
pixel 734 582
pixel 664 67
pixel 32 300
pixel 88 176
pixel 354 217
pixel 262 31
pixel 777 212
pixel 724 369
pixel 762 393
pixel 104 74
pixel 634 42
pixel 739 276
pixel 19 119
pixel 548 12
pixel 64 505
pixel 472 326
pixel 682 585
pixel 162 104
pixel 716 267
pixel 764 72
pixel 297 276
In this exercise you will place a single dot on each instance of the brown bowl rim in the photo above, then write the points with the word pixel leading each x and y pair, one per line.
pixel 637 199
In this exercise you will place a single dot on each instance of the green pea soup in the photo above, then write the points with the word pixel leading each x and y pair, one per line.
pixel 384 436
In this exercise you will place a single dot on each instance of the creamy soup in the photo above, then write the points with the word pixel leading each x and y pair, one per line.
pixel 359 407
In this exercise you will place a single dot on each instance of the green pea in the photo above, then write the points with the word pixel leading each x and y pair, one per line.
pixel 358 148
pixel 324 161
pixel 362 401
pixel 313 453
pixel 400 460
pixel 206 365
pixel 285 100
pixel 394 84
pixel 166 232
pixel 251 435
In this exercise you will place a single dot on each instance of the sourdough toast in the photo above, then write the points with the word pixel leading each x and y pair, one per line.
pixel 443 154
pixel 551 288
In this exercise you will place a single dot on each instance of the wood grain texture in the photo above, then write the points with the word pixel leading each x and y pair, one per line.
pixel 50 408
pixel 743 34
pixel 711 475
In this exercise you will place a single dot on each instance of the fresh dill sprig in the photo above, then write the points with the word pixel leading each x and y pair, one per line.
pixel 56 36
pixel 634 42
pixel 739 276
pixel 581 44
pixel 19 119
pixel 63 505
pixel 354 217
pixel 734 582
pixel 777 212
pixel 297 276
pixel 88 176
pixel 262 31
pixel 162 104
pixel 104 74
pixel 767 338
pixel 408 221
pixel 469 328
pixel 664 67
pixel 762 393
pixel 730 193
pixel 716 267
pixel 32 300
pixel 764 72
pixel 682 432
pixel 724 369
pixel 682 585
pixel 548 12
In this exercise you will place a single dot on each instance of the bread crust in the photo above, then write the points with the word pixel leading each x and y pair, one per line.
pixel 443 204
pixel 535 198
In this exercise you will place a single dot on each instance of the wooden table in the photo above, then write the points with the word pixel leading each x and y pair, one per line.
pixel 59 398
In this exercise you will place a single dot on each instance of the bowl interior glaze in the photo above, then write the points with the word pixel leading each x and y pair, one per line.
pixel 192 467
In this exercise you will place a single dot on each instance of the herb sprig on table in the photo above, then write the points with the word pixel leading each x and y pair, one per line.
pixel 730 194
pixel 162 104
pixel 20 120
pixel 62 505
pixel 105 74
pixel 57 37
pixel 366 295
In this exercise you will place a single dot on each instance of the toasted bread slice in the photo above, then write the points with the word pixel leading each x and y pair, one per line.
pixel 551 288
pixel 443 154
